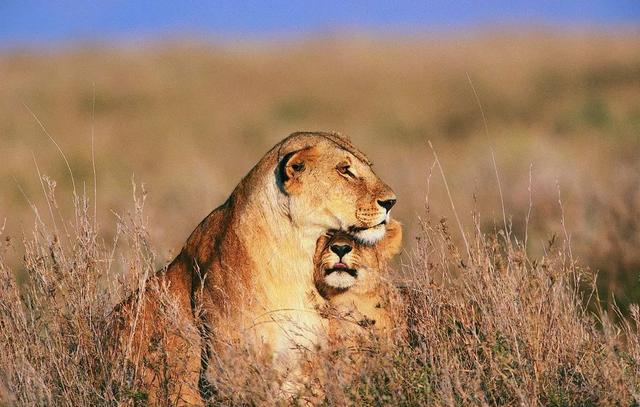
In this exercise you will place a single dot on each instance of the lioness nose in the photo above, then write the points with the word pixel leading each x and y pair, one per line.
pixel 387 204
pixel 340 249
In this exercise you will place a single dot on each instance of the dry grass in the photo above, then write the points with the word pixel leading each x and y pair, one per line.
pixel 493 321
pixel 488 324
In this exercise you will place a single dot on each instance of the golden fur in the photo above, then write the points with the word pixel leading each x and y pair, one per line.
pixel 358 293
pixel 160 340
pixel 249 264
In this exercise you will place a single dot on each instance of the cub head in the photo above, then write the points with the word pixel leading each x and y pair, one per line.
pixel 330 184
pixel 341 263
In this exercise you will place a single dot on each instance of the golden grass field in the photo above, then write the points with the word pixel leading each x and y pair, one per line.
pixel 556 160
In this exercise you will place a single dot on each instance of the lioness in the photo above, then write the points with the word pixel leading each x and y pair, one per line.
pixel 249 264
pixel 352 277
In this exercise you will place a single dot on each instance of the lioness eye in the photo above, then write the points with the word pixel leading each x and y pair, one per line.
pixel 297 166
pixel 346 170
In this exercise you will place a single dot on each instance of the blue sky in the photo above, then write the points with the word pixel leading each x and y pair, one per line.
pixel 48 22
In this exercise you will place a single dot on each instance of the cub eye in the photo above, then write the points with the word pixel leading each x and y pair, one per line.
pixel 297 166
pixel 345 169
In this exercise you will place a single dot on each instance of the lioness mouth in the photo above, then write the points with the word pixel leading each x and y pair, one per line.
pixel 356 229
pixel 341 267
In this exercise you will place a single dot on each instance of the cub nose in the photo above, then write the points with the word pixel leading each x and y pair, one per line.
pixel 387 204
pixel 340 249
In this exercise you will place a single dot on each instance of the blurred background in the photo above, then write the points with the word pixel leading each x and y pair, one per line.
pixel 187 96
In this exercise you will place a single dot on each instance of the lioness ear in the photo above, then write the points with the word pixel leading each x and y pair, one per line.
pixel 391 243
pixel 291 166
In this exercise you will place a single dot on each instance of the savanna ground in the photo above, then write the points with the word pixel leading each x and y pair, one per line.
pixel 546 189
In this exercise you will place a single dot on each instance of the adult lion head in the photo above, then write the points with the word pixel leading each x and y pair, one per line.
pixel 327 182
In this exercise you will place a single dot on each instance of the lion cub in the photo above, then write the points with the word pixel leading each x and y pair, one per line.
pixel 352 278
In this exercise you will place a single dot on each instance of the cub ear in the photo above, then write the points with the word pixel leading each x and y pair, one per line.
pixel 391 243
pixel 291 166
